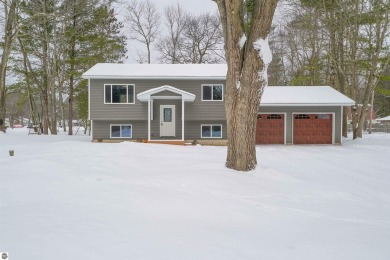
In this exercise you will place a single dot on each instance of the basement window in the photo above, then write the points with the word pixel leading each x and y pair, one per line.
pixel 211 131
pixel 121 131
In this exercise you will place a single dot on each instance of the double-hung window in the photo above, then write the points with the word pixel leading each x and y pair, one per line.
pixel 118 94
pixel 211 131
pixel 213 92
pixel 121 131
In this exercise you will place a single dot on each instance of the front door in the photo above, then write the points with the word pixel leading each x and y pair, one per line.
pixel 167 121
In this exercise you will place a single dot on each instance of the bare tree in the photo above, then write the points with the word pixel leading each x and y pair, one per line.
pixel 203 39
pixel 247 55
pixel 170 47
pixel 358 50
pixel 10 8
pixel 144 21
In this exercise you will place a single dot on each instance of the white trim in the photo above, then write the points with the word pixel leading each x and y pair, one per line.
pixel 89 99
pixel 285 121
pixel 149 111
pixel 182 120
pixel 303 104
pixel 91 130
pixel 127 94
pixel 146 95
pixel 313 113
pixel 211 131
pixel 156 77
pixel 333 128
pixel 212 85
pixel 341 124
pixel 121 137
pixel 166 97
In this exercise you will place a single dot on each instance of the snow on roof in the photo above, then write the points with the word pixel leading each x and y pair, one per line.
pixel 387 118
pixel 158 71
pixel 304 95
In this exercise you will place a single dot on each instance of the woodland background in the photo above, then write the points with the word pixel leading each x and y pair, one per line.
pixel 47 44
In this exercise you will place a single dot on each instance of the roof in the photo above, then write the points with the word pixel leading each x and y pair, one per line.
pixel 156 71
pixel 387 118
pixel 146 95
pixel 304 96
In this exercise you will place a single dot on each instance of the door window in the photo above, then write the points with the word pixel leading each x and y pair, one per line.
pixel 167 114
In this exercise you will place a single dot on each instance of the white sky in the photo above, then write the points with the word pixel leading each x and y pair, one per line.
pixel 193 6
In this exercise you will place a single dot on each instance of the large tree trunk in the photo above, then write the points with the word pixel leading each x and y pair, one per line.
pixel 246 76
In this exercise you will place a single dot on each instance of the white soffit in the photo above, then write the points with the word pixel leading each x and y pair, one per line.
pixel 146 95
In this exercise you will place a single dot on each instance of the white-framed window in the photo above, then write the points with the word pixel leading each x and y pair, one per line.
pixel 211 131
pixel 119 94
pixel 212 92
pixel 121 131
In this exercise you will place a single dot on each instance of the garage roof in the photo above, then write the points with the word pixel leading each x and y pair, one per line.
pixel 387 118
pixel 304 96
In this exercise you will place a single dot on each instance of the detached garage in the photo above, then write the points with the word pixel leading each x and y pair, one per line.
pixel 301 115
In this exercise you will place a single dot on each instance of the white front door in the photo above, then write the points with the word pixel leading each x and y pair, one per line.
pixel 167 120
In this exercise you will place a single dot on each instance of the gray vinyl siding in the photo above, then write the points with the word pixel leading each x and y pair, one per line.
pixel 101 129
pixel 197 110
pixel 306 109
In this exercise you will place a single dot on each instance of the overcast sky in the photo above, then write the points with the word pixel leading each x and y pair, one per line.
pixel 193 6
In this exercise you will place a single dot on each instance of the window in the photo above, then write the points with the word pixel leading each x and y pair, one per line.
pixel 322 116
pixel 167 114
pixel 212 92
pixel 211 131
pixel 274 116
pixel 302 116
pixel 121 131
pixel 119 94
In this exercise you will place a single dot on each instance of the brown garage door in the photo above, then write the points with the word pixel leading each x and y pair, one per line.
pixel 270 129
pixel 312 129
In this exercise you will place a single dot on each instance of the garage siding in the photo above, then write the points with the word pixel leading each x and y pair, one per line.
pixel 306 110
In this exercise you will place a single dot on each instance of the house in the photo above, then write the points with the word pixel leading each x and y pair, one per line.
pixel 158 102
pixel 384 124
pixel 384 120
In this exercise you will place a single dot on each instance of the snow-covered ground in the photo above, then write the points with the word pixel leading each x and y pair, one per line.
pixel 63 197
